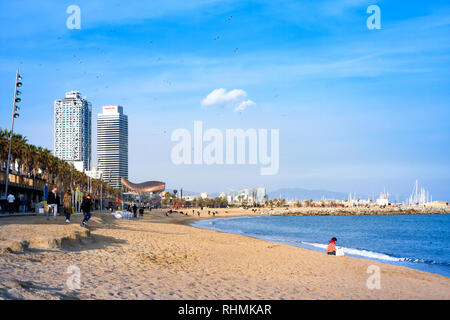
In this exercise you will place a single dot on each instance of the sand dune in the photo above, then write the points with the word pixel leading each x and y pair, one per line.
pixel 159 257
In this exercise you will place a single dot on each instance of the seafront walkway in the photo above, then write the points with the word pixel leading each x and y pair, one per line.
pixel 22 214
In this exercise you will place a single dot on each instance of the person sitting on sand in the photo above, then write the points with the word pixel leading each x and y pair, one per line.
pixel 331 250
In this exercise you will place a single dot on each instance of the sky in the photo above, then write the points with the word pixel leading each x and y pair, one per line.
pixel 357 109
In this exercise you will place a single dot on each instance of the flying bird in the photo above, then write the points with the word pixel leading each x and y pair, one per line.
pixel 216 38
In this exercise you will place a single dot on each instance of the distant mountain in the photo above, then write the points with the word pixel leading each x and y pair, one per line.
pixel 305 194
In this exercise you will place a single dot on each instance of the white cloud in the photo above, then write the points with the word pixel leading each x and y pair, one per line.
pixel 244 105
pixel 222 98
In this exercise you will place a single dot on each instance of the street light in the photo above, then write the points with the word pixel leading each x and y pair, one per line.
pixel 14 115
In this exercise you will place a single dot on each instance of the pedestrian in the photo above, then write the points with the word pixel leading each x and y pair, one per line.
pixel 53 202
pixel 67 205
pixel 141 211
pixel 86 208
pixel 11 200
pixel 3 204
pixel 23 203
pixel 134 211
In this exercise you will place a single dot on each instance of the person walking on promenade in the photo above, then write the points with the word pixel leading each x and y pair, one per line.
pixel 67 204
pixel 331 250
pixel 10 200
pixel 23 203
pixel 134 211
pixel 141 210
pixel 86 208
pixel 53 202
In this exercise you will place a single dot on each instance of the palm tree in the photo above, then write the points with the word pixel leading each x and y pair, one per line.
pixel 4 145
pixel 17 150
pixel 35 161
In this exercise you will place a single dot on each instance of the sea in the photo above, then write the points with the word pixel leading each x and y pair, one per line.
pixel 419 242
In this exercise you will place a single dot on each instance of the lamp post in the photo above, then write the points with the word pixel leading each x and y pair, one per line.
pixel 14 115
pixel 101 191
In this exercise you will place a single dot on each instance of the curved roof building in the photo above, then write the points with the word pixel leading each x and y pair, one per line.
pixel 144 187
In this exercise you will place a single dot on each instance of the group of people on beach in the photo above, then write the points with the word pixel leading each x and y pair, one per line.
pixel 53 201
pixel 134 208
pixel 14 203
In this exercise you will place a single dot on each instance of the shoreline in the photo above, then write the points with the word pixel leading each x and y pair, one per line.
pixel 356 256
pixel 160 257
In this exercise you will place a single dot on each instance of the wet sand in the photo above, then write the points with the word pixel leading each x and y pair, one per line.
pixel 160 257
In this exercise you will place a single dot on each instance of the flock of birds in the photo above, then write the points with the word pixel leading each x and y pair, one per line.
pixel 102 52
pixel 98 76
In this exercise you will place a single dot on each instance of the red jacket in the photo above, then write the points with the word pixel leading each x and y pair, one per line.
pixel 331 246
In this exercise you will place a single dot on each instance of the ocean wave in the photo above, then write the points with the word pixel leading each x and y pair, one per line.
pixel 377 255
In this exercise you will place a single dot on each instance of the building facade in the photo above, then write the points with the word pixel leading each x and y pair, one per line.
pixel 261 194
pixel 95 174
pixel 112 145
pixel 73 130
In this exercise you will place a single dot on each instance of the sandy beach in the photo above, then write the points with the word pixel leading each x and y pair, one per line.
pixel 160 257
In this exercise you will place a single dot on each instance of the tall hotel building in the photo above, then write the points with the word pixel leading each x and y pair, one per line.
pixel 73 130
pixel 112 145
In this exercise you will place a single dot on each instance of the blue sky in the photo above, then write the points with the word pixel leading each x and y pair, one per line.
pixel 358 109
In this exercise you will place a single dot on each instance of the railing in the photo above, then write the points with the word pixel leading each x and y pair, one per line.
pixel 22 181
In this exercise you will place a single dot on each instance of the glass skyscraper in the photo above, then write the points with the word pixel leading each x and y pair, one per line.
pixel 112 145
pixel 73 130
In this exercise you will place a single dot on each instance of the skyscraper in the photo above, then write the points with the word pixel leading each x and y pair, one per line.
pixel 112 145
pixel 73 130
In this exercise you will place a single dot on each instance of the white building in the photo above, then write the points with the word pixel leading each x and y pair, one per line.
pixel 112 145
pixel 243 195
pixel 188 198
pixel 73 130
pixel 260 194
pixel 383 200
pixel 94 173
